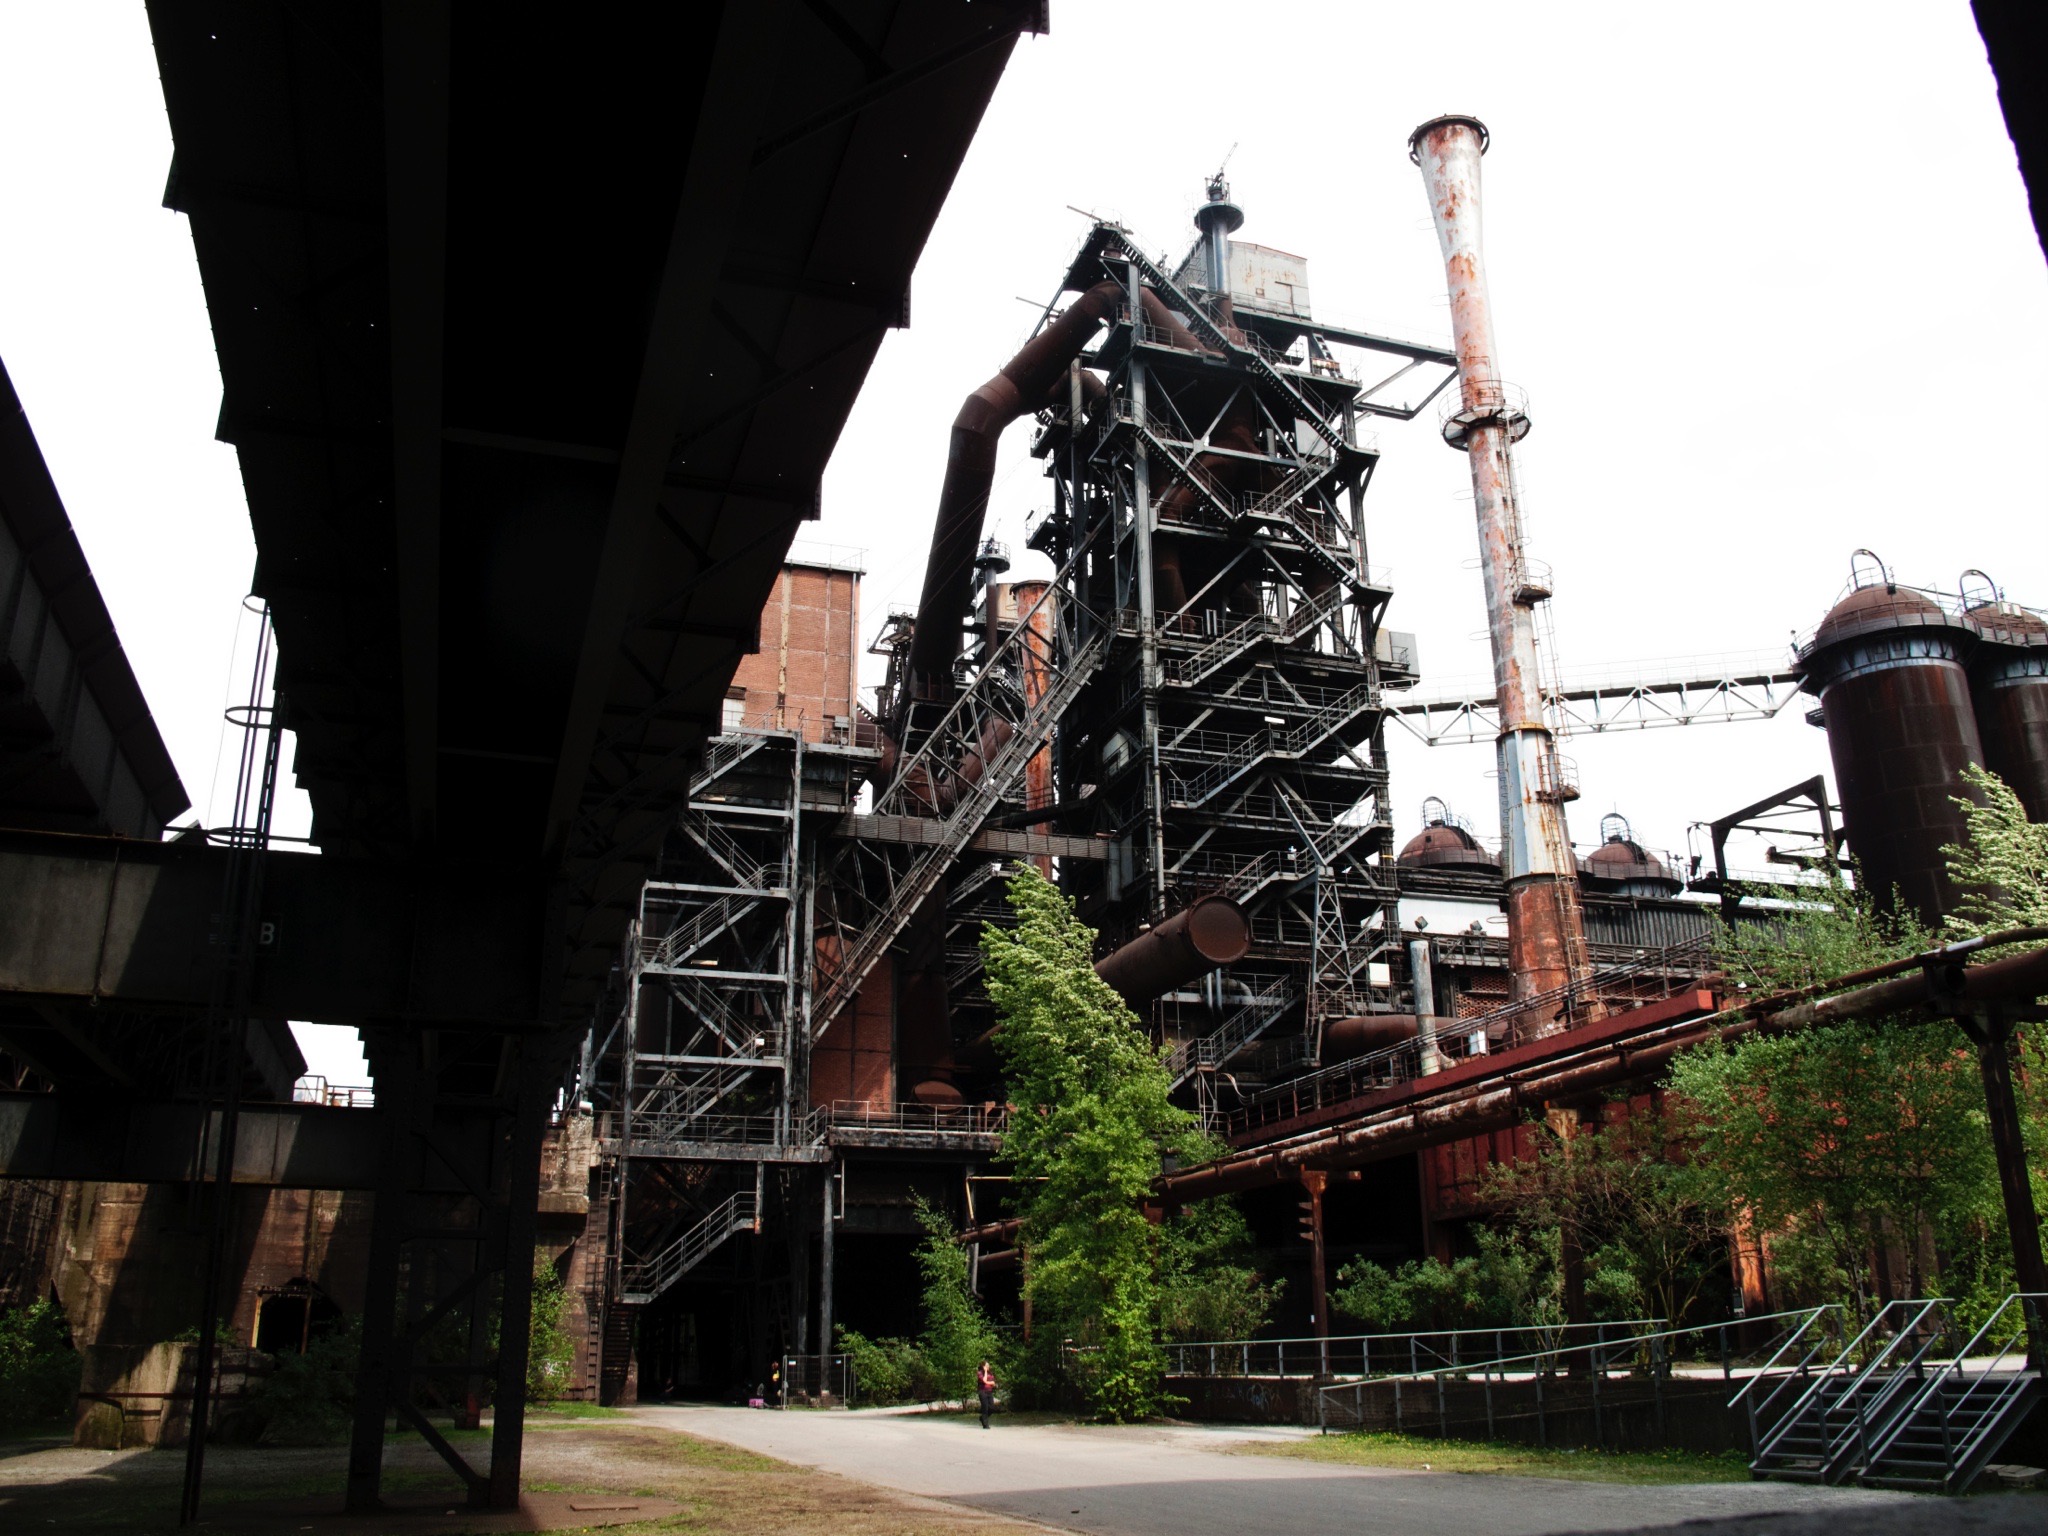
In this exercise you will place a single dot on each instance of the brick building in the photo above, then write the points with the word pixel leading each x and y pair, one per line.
pixel 805 675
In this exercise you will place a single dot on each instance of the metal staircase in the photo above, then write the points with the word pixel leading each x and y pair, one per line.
pixel 1238 759
pixel 1238 347
pixel 877 888
pixel 1889 1408
pixel 1967 1410
pixel 1252 1018
pixel 1208 660
pixel 643 1282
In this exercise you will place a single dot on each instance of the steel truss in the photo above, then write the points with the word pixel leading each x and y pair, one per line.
pixel 1233 741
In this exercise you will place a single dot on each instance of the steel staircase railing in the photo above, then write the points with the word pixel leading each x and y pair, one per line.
pixel 964 730
pixel 1848 1407
pixel 1967 1408
pixel 1242 636
pixel 642 1283
pixel 1252 1018
pixel 1194 789
pixel 1162 283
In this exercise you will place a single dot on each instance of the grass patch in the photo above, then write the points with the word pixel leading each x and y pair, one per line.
pixel 1415 1453
pixel 572 1411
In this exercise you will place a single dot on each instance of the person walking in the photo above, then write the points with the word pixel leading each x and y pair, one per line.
pixel 985 1388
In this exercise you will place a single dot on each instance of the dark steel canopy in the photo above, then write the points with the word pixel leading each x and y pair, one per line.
pixel 78 749
pixel 537 329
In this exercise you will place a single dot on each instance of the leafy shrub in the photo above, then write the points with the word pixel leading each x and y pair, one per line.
pixel 308 1397
pixel 888 1370
pixel 38 1367
pixel 550 1350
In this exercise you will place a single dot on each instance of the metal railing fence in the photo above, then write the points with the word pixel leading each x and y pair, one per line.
pixel 1644 1357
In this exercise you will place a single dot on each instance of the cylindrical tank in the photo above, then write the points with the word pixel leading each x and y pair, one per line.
pixel 1192 942
pixel 2009 688
pixel 1887 665
pixel 1624 866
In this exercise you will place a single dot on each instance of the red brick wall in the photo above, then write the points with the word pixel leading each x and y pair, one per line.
pixel 806 674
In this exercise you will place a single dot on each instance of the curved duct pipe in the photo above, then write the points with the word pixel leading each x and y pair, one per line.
pixel 1191 943
pixel 1032 380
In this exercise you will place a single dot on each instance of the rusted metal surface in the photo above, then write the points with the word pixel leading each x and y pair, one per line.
pixel 2009 689
pixel 1026 383
pixel 1887 664
pixel 1194 941
pixel 1546 942
pixel 1494 1093
pixel 1346 1038
pixel 1039 790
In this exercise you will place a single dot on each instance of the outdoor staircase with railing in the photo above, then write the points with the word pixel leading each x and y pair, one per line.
pixel 935 760
pixel 1251 1018
pixel 1892 1411
pixel 643 1282
pixel 1236 346
pixel 1213 657
pixel 1192 790
pixel 1967 1410
pixel 1850 1403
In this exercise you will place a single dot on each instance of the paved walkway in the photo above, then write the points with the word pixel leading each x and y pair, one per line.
pixel 1178 1481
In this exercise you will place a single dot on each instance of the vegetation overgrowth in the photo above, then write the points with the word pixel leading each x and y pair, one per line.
pixel 38 1367
pixel 1858 1154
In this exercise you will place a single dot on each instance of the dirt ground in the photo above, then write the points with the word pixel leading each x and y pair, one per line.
pixel 714 1490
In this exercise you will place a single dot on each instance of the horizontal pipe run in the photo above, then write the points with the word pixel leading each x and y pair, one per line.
pixel 1494 1104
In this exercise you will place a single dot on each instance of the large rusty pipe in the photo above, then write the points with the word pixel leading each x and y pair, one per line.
pixel 1035 378
pixel 1191 943
pixel 1546 946
pixel 1498 1103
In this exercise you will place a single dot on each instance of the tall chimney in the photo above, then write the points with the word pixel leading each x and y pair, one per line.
pixel 1546 930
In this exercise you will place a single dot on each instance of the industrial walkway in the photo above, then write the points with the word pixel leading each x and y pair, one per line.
pixel 1178 1481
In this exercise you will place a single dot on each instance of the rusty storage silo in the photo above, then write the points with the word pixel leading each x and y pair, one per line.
pixel 2009 687
pixel 1624 866
pixel 1887 665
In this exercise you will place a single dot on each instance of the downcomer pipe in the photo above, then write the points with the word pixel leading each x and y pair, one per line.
pixel 1032 380
pixel 1546 939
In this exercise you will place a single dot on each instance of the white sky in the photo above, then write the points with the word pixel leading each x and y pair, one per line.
pixel 1765 272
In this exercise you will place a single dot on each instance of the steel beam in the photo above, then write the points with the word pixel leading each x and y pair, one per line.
pixel 340 941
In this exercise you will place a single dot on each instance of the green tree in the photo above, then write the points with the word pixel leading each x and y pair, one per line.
pixel 1090 1126
pixel 1208 1286
pixel 2001 867
pixel 1647 1224
pixel 1512 1281
pixel 549 1348
pixel 38 1367
pixel 957 1336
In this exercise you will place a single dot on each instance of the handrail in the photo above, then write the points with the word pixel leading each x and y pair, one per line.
pixel 1410 1342
pixel 1817 1392
pixel 1599 1355
pixel 1796 1372
pixel 1933 1394
pixel 644 1281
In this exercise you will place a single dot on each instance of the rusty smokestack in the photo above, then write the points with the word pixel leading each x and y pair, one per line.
pixel 1546 931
